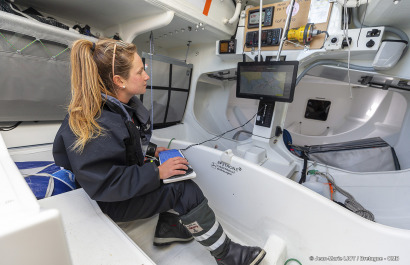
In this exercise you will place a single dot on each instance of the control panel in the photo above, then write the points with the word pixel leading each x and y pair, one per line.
pixel 267 17
pixel 265 113
pixel 273 17
pixel 270 37
pixel 364 41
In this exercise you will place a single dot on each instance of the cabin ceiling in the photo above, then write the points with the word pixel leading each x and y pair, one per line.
pixel 108 13
pixel 101 14
pixel 177 34
pixel 104 14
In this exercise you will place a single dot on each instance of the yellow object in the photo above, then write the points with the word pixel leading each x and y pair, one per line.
pixel 303 34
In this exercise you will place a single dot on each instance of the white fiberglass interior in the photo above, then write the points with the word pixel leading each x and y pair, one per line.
pixel 367 112
pixel 276 226
pixel 247 173
pixel 355 112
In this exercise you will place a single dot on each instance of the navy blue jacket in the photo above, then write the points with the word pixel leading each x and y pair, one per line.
pixel 102 168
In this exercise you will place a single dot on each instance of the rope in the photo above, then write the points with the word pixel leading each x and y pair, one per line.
pixel 45 48
pixel 31 43
pixel 11 45
pixel 28 45
pixel 350 202
pixel 55 56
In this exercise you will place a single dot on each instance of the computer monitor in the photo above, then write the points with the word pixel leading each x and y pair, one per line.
pixel 268 81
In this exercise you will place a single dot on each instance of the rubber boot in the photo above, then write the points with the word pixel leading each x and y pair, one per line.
pixel 238 254
pixel 202 224
pixel 170 230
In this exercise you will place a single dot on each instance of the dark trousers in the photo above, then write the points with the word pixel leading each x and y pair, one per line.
pixel 182 196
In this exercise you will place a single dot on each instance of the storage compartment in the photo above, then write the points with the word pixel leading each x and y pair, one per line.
pixel 366 155
pixel 35 69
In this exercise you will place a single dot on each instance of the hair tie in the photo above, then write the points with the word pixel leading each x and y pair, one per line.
pixel 93 48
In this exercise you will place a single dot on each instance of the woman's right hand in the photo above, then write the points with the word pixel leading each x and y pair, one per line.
pixel 173 166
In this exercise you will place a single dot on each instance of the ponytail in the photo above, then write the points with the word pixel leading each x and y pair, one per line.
pixel 86 87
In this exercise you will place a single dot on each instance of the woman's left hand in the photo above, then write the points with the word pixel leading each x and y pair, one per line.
pixel 160 149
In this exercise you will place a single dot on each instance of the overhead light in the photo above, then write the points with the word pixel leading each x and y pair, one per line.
pixel 182 30
pixel 201 24
pixel 176 31
pixel 396 1
pixel 203 28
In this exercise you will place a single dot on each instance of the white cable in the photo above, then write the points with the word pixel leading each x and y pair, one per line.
pixel 345 31
pixel 151 50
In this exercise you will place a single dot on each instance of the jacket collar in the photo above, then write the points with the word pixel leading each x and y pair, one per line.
pixel 134 106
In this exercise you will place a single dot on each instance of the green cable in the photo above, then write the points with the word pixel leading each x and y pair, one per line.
pixel 55 56
pixel 11 45
pixel 289 260
pixel 169 144
pixel 28 45
pixel 45 48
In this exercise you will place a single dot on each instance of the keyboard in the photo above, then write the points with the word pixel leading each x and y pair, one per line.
pixel 165 155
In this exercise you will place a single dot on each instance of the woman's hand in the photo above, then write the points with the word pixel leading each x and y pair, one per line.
pixel 173 166
pixel 160 149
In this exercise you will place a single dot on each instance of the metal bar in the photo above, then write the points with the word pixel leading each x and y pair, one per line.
pixel 285 29
pixel 260 30
pixel 166 59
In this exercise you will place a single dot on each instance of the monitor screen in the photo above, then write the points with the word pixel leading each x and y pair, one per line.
pixel 274 81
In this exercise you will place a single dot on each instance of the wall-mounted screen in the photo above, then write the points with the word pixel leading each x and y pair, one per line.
pixel 274 81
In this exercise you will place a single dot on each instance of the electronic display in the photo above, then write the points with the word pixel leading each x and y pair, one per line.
pixel 227 46
pixel 254 18
pixel 273 81
pixel 267 17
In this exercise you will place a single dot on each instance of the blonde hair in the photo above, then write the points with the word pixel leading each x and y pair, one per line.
pixel 92 75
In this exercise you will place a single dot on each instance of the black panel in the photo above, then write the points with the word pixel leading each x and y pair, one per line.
pixel 317 109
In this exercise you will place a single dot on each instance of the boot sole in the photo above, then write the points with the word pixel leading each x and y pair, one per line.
pixel 158 242
pixel 258 258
